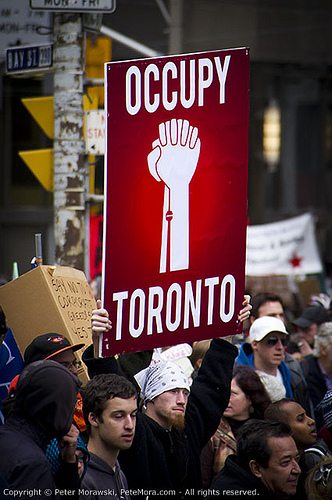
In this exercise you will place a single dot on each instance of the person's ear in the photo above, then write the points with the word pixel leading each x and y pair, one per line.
pixel 255 468
pixel 199 363
pixel 93 420
pixel 254 344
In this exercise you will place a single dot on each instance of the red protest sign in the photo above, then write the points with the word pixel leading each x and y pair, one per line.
pixel 96 238
pixel 176 198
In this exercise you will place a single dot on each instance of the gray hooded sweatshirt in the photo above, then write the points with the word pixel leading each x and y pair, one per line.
pixel 103 482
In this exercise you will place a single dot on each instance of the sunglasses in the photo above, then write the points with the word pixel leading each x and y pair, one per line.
pixel 272 341
pixel 76 364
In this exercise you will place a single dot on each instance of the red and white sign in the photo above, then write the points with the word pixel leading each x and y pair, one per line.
pixel 96 239
pixel 176 198
pixel 95 132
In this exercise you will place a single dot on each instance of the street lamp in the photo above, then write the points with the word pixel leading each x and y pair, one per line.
pixel 272 135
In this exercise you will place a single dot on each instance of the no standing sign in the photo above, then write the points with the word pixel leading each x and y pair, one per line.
pixel 176 198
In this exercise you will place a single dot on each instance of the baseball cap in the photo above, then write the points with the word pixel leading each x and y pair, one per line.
pixel 263 326
pixel 312 314
pixel 48 345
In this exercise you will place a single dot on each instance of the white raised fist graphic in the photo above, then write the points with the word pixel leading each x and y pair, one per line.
pixel 173 160
pixel 175 154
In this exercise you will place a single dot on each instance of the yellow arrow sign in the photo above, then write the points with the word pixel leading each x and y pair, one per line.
pixel 40 162
pixel 41 108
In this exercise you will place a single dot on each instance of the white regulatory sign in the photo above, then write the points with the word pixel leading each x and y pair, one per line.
pixel 74 5
pixel 95 132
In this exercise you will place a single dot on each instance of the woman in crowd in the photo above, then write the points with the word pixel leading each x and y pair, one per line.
pixel 248 399
pixel 318 484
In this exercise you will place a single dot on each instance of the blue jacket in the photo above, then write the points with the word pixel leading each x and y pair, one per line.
pixel 246 357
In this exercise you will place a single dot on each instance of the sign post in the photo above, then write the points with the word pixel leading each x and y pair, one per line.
pixel 176 198
pixel 21 59
pixel 107 6
pixel 20 26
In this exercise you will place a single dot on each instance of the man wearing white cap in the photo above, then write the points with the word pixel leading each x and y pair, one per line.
pixel 270 304
pixel 170 434
pixel 265 352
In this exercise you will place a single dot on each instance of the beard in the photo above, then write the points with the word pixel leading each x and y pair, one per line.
pixel 177 421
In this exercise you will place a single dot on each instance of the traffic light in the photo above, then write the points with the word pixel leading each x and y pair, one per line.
pixel 98 52
pixel 40 161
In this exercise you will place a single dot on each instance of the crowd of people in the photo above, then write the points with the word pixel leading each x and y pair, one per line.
pixel 246 415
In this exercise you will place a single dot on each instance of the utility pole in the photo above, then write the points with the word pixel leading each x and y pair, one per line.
pixel 175 45
pixel 69 165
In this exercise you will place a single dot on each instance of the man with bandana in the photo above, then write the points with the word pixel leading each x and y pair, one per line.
pixel 178 420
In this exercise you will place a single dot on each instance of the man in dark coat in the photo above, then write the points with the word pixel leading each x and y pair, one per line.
pixel 307 326
pixel 265 464
pixel 318 369
pixel 177 424
pixel 43 409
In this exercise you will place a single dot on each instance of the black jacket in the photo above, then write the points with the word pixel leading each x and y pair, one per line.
pixel 161 459
pixel 308 459
pixel 316 385
pixel 126 365
pixel 301 394
pixel 43 409
pixel 234 478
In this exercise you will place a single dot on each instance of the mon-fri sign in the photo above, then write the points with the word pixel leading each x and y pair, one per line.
pixel 176 198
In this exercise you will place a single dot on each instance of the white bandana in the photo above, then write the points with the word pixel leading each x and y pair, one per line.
pixel 161 377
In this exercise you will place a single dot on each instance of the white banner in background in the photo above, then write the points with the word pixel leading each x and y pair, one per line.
pixel 286 247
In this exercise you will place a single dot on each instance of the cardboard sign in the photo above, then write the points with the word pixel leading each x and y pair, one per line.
pixel 49 299
pixel 176 198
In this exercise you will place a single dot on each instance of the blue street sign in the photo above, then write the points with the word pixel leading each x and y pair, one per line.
pixel 29 58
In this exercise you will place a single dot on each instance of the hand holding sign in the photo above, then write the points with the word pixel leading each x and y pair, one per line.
pixel 100 323
pixel 174 160
pixel 245 312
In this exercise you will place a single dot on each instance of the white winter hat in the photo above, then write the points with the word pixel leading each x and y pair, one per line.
pixel 161 377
